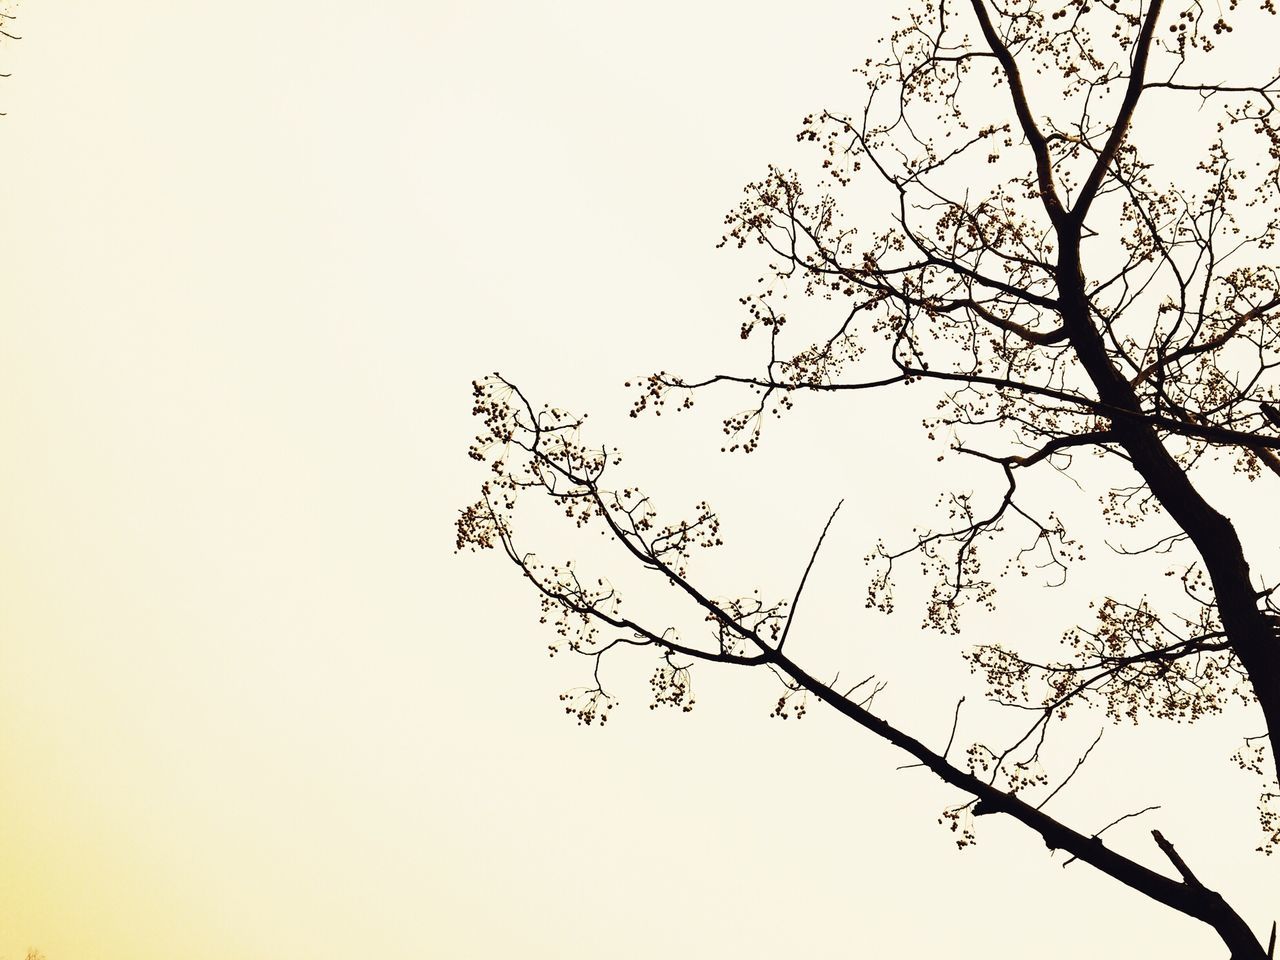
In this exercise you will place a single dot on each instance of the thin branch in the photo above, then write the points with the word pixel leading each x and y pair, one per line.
pixel 1074 771
pixel 791 616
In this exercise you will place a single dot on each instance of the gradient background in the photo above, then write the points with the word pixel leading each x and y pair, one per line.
pixel 251 704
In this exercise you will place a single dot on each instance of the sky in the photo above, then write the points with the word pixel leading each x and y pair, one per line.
pixel 253 705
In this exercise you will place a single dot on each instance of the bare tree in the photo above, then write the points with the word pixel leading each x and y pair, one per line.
pixel 1065 291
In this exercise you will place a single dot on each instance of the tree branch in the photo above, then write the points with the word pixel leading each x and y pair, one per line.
pixel 1120 126
pixel 1039 148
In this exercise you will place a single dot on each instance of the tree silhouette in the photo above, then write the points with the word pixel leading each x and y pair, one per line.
pixel 1066 291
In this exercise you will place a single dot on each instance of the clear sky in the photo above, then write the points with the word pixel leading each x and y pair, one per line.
pixel 251 704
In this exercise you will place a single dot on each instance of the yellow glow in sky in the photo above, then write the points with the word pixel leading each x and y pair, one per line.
pixel 251 705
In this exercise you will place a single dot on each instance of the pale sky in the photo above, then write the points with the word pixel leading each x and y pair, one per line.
pixel 251 704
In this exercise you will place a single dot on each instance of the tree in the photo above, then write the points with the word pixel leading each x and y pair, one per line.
pixel 1065 288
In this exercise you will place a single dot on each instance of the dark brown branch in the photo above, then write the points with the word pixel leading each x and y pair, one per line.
pixel 1039 148
pixel 1213 343
pixel 1179 864
pixel 1120 126
pixel 804 578
pixel 1040 338
pixel 1197 901
pixel 1210 434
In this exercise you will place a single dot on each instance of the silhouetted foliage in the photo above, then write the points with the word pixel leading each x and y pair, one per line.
pixel 1067 291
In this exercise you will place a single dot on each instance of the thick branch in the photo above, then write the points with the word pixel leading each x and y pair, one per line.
pixel 1198 902
pixel 1039 147
pixel 1120 127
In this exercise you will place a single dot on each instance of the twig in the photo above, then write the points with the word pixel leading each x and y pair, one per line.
pixel 954 724
pixel 786 629
pixel 1074 771
pixel 1136 813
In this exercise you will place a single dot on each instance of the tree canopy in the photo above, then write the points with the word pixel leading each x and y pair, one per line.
pixel 1007 220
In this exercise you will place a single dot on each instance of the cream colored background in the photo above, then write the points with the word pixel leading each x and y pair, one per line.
pixel 251 704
